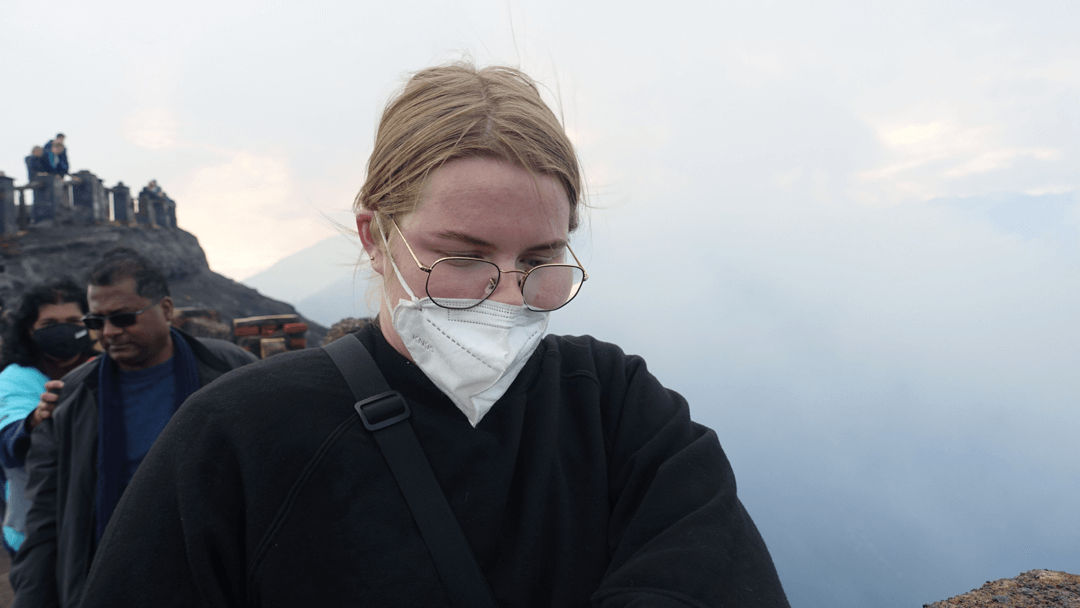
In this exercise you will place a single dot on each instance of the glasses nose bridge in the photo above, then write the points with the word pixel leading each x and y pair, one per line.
pixel 523 273
pixel 520 279
pixel 493 285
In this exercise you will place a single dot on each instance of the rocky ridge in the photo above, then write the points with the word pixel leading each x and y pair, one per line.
pixel 1035 588
pixel 48 252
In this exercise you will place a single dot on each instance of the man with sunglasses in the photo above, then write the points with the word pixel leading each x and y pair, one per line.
pixel 107 414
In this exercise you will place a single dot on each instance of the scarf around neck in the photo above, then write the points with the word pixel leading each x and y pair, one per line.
pixel 112 443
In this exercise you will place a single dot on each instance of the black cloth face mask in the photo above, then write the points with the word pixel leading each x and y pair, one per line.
pixel 62 341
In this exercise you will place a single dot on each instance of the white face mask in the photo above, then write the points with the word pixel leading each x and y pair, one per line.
pixel 472 355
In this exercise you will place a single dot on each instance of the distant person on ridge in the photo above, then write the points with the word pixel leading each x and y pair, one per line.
pixel 56 160
pixel 43 339
pixel 108 414
pixel 152 189
pixel 36 163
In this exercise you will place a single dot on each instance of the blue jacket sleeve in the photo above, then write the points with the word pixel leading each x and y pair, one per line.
pixel 20 390
pixel 14 441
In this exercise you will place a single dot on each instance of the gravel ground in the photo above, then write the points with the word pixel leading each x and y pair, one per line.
pixel 1035 588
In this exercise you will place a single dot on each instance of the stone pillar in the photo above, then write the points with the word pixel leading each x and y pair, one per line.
pixel 8 226
pixel 160 217
pixel 88 198
pixel 48 197
pixel 101 201
pixel 24 213
pixel 146 215
pixel 170 212
pixel 123 206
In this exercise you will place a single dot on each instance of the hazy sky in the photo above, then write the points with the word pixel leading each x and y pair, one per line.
pixel 847 232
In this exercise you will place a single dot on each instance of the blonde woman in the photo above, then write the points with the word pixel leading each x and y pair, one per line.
pixel 571 474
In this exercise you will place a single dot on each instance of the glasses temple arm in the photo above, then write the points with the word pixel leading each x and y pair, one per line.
pixel 584 273
pixel 415 259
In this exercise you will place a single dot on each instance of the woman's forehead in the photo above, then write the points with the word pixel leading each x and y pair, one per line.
pixel 483 194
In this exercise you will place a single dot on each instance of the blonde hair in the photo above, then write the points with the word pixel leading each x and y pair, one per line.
pixel 456 111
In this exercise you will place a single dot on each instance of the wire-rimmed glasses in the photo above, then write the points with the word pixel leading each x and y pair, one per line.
pixel 458 282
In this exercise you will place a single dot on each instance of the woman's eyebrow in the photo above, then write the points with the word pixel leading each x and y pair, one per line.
pixel 479 242
pixel 550 246
pixel 454 235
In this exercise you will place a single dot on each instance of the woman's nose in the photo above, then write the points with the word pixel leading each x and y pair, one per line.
pixel 508 291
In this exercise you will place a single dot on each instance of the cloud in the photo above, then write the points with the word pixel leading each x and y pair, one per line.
pixel 247 211
pixel 1002 158
pixel 927 159
pixel 152 128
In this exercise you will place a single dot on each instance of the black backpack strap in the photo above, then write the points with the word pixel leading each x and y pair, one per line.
pixel 386 414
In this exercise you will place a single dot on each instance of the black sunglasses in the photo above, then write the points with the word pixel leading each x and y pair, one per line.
pixel 118 319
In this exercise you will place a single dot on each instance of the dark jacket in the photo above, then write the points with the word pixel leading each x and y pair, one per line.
pixel 53 163
pixel 586 483
pixel 35 165
pixel 51 566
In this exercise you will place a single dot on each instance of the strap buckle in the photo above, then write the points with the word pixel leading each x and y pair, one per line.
pixel 382 410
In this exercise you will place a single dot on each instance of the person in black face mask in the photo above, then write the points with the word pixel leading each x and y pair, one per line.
pixel 44 339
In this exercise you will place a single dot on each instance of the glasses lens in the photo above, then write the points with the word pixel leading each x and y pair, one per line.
pixel 122 319
pixel 461 282
pixel 552 286
pixel 118 319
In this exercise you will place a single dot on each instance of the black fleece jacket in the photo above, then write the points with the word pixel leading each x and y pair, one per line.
pixel 50 568
pixel 586 484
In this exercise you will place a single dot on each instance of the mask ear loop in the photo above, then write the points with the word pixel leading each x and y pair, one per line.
pixel 397 273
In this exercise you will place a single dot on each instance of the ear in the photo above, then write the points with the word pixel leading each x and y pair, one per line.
pixel 365 224
pixel 167 308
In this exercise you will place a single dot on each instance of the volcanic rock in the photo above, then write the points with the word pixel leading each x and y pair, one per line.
pixel 1035 588
pixel 46 253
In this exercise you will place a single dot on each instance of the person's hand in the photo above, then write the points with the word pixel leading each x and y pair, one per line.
pixel 47 403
